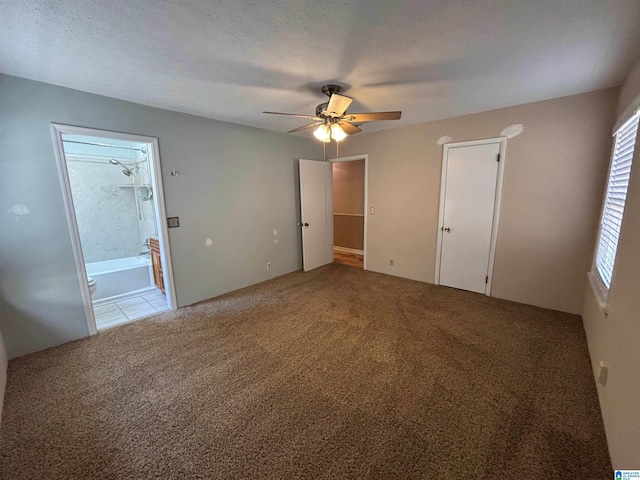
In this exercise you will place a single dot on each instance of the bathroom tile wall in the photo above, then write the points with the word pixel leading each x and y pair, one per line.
pixel 105 208
pixel 147 215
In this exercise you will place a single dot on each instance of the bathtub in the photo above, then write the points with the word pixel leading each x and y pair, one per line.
pixel 120 276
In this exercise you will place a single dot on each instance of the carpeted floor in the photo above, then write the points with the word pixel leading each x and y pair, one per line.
pixel 335 373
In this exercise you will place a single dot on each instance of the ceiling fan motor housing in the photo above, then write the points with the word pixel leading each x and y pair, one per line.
pixel 320 109
pixel 330 89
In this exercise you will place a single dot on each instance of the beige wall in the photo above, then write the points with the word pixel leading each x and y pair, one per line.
pixel 348 232
pixel 630 89
pixel 616 338
pixel 553 182
pixel 348 187
pixel 348 197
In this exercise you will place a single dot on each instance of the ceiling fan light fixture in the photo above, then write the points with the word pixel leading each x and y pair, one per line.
pixel 323 133
pixel 337 133
pixel 331 120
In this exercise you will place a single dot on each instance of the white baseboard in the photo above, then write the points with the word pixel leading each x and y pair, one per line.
pixel 348 250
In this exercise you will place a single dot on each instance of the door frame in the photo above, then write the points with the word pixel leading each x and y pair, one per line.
pixel 353 158
pixel 502 141
pixel 57 130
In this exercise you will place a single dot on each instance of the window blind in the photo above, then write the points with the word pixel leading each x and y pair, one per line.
pixel 615 199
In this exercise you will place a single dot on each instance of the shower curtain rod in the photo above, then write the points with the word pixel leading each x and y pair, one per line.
pixel 141 149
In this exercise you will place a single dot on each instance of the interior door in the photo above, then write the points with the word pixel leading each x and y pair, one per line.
pixel 316 206
pixel 468 216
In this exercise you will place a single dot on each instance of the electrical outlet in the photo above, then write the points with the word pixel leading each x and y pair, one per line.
pixel 391 263
pixel 268 265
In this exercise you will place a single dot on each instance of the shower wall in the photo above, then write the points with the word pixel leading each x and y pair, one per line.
pixel 113 221
pixel 147 221
pixel 105 208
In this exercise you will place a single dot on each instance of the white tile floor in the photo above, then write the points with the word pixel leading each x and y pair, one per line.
pixel 116 313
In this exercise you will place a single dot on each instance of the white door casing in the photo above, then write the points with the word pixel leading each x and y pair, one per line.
pixel 57 130
pixel 469 210
pixel 316 209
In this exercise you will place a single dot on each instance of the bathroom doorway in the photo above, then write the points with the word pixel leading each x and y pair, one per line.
pixel 115 209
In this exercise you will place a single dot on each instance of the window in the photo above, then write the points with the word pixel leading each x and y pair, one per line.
pixel 613 210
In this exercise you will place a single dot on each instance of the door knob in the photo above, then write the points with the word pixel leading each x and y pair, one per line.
pixel 447 229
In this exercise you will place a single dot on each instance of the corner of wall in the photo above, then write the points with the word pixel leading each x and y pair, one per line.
pixel 3 373
pixel 629 89
pixel 612 338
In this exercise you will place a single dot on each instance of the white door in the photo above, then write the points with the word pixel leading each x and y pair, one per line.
pixel 467 219
pixel 316 207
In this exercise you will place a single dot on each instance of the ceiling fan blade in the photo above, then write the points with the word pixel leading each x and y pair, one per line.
pixel 349 129
pixel 372 117
pixel 303 127
pixel 338 104
pixel 295 115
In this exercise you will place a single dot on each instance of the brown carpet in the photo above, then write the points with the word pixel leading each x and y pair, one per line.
pixel 336 373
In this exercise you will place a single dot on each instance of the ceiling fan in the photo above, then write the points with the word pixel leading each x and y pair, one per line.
pixel 332 120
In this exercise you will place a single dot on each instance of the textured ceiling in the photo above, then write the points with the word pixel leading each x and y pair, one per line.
pixel 230 60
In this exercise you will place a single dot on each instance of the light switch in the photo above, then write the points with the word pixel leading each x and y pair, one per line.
pixel 173 222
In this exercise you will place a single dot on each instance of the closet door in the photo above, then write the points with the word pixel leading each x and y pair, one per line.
pixel 470 180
